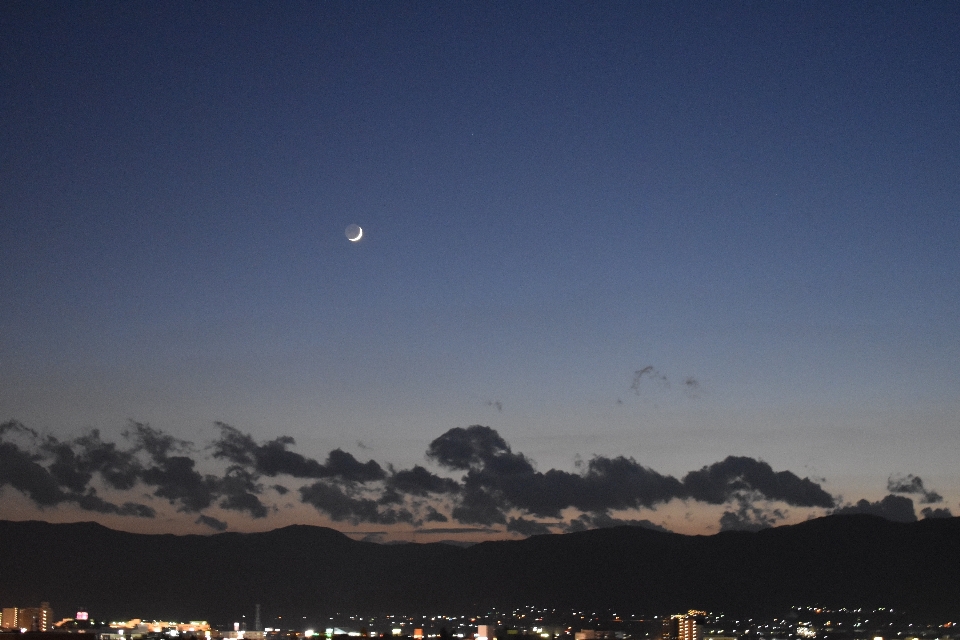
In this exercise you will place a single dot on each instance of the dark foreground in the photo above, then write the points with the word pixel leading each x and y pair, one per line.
pixel 837 561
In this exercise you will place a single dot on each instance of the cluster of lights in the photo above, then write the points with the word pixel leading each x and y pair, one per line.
pixel 543 624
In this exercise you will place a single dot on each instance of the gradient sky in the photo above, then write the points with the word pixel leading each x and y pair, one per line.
pixel 760 201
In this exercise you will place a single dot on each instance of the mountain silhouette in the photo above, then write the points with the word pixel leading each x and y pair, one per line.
pixel 849 560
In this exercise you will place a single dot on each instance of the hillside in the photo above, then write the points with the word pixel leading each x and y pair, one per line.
pixel 837 560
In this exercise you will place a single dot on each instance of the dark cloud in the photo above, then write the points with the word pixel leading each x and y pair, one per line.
pixel 905 484
pixel 91 502
pixel 721 481
pixel 235 446
pixel 136 509
pixel 496 478
pixel 332 500
pixel 75 462
pixel 496 404
pixel 480 506
pixel 390 496
pixel 173 477
pixel 343 465
pixel 929 512
pixel 527 527
pixel 463 449
pixel 914 485
pixel 749 516
pixel 22 470
pixel 742 520
pixel 67 469
pixel 17 427
pixel 499 480
pixel 691 387
pixel 213 523
pixel 497 486
pixel 273 458
pixel 605 521
pixel 892 507
pixel 420 482
pixel 240 489
pixel 618 483
pixel 588 521
pixel 578 524
pixel 433 515
pixel 606 484
pixel 156 443
pixel 176 479
pixel 119 469
pixel 50 471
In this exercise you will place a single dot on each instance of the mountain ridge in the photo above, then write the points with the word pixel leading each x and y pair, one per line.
pixel 840 560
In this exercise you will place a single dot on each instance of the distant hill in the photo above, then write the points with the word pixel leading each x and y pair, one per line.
pixel 851 560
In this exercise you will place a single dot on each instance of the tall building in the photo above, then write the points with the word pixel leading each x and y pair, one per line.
pixel 682 626
pixel 669 628
pixel 36 618
pixel 9 618
pixel 689 628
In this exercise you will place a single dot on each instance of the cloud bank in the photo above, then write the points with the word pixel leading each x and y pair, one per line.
pixel 480 483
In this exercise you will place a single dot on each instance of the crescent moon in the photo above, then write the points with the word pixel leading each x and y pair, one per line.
pixel 354 233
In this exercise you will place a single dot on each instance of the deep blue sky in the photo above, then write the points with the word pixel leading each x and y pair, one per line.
pixel 759 200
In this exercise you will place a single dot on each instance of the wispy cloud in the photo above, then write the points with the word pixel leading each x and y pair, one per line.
pixel 213 523
pixel 496 404
pixel 648 375
pixel 913 485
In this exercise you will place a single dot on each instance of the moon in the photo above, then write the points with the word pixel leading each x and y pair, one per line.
pixel 354 232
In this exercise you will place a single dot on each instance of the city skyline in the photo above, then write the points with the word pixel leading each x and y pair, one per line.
pixel 655 239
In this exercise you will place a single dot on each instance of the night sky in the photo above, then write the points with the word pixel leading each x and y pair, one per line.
pixel 686 264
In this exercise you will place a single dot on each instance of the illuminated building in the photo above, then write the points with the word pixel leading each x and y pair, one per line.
pixel 142 627
pixel 35 618
pixel 594 634
pixel 688 628
pixel 669 628
pixel 682 626
pixel 9 618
